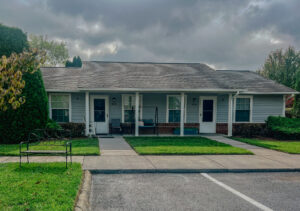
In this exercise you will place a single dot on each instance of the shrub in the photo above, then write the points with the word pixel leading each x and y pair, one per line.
pixel 77 129
pixel 15 125
pixel 249 130
pixel 51 124
pixel 284 128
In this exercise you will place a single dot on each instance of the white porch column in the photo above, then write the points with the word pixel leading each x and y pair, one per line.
pixel 87 112
pixel 283 106
pixel 229 133
pixel 137 107
pixel 182 115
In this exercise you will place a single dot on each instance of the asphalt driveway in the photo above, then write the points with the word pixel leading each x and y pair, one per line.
pixel 251 191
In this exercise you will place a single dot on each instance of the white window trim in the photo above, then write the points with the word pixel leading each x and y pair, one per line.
pixel 251 108
pixel 167 108
pixel 141 105
pixel 70 105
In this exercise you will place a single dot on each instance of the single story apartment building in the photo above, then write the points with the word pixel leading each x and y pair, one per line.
pixel 170 95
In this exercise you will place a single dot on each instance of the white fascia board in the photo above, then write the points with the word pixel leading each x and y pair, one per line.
pixel 270 93
pixel 163 90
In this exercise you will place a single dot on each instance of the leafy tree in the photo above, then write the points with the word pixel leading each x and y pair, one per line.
pixel 11 77
pixel 12 40
pixel 56 52
pixel 296 108
pixel 75 63
pixel 284 67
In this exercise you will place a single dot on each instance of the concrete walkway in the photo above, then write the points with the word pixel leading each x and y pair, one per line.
pixel 255 149
pixel 118 156
pixel 115 146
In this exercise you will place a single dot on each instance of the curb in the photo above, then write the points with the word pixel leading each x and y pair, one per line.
pixel 149 171
pixel 83 202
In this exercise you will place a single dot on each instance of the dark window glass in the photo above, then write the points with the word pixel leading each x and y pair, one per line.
pixel 242 113
pixel 174 115
pixel 60 115
pixel 99 110
pixel 208 110
pixel 242 116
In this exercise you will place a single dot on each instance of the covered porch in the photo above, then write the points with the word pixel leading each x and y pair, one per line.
pixel 158 112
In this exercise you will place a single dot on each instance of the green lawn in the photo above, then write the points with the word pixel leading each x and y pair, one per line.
pixel 292 147
pixel 39 186
pixel 181 146
pixel 85 146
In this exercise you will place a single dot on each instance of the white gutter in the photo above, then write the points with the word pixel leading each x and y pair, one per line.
pixel 270 93
pixel 161 90
pixel 237 91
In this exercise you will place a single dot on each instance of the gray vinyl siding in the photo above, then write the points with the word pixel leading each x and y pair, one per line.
pixel 115 109
pixel 222 108
pixel 266 105
pixel 78 107
pixel 263 106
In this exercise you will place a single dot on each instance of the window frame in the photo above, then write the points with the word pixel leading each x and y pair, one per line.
pixel 251 108
pixel 167 107
pixel 70 105
pixel 140 104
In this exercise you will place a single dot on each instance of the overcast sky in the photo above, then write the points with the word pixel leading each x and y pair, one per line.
pixel 226 34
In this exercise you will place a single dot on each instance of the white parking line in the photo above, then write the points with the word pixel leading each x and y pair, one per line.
pixel 243 196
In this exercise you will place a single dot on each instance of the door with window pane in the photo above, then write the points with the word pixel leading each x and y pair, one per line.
pixel 100 114
pixel 207 114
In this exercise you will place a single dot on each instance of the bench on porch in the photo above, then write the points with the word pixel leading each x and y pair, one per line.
pixel 148 123
pixel 50 139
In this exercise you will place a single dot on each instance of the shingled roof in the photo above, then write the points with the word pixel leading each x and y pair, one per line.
pixel 125 76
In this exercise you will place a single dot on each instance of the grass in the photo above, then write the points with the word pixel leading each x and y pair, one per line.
pixel 39 186
pixel 86 146
pixel 181 146
pixel 292 147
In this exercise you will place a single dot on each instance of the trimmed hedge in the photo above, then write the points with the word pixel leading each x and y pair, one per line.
pixel 284 128
pixel 77 129
pixel 249 130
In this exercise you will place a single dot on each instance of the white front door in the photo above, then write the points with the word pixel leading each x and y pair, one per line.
pixel 99 114
pixel 208 115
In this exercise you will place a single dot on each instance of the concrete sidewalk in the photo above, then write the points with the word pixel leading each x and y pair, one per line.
pixel 118 156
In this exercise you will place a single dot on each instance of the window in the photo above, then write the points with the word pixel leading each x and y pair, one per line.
pixel 174 108
pixel 60 107
pixel 129 108
pixel 243 109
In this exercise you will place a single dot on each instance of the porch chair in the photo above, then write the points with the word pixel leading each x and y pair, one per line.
pixel 116 125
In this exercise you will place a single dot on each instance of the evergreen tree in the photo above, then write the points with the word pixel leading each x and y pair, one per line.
pixel 75 63
pixel 15 125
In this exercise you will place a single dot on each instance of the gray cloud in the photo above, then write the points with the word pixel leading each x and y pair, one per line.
pixel 226 34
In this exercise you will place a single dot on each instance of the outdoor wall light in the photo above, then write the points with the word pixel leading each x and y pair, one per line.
pixel 194 101
pixel 114 101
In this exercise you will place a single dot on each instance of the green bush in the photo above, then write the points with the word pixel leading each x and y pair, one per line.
pixel 249 130
pixel 77 129
pixel 51 124
pixel 15 125
pixel 284 128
